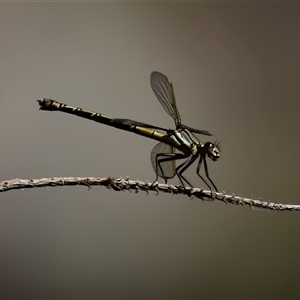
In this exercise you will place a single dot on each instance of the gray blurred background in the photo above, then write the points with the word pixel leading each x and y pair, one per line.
pixel 235 69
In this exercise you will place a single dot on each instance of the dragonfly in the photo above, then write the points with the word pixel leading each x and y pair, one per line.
pixel 164 154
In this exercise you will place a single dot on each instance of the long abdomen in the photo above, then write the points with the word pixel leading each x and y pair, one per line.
pixel 124 124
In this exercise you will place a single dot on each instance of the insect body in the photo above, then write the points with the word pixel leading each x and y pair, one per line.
pixel 163 155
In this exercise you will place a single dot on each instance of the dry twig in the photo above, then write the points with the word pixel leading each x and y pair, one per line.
pixel 120 184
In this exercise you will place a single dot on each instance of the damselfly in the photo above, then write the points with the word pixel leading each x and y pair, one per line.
pixel 163 155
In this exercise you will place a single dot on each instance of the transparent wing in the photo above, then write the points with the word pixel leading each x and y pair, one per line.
pixel 163 89
pixel 137 123
pixel 168 167
pixel 205 132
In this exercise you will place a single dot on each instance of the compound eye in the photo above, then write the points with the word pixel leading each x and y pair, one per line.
pixel 214 153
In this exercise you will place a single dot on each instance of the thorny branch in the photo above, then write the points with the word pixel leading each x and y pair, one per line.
pixel 120 184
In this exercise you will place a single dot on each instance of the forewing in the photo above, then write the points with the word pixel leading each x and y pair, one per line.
pixel 205 132
pixel 168 167
pixel 163 89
